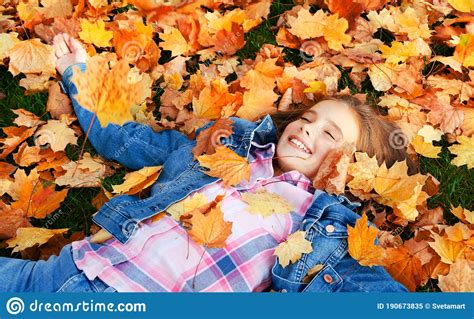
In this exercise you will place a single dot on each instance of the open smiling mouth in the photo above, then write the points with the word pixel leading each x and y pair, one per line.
pixel 297 144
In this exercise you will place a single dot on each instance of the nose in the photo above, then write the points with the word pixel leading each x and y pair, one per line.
pixel 305 129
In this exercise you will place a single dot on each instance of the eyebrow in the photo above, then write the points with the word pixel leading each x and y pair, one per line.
pixel 330 121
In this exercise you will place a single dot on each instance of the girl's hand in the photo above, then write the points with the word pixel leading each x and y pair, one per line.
pixel 101 236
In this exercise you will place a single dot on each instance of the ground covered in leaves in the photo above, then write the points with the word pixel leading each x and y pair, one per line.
pixel 188 63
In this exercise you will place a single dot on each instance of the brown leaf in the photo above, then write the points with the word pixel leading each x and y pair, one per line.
pixel 10 220
pixel 207 139
pixel 404 267
pixel 58 103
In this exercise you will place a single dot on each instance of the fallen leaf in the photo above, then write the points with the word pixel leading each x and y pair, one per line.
pixel 207 139
pixel 459 279
pixel 109 96
pixel 56 134
pixel 32 56
pixel 264 203
pixel 138 180
pixel 293 248
pixel 227 165
pixel 11 220
pixel 29 236
pixel 448 250
pixel 94 32
pixel 464 151
pixel 210 230
pixel 361 243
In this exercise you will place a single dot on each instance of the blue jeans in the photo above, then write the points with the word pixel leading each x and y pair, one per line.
pixel 57 274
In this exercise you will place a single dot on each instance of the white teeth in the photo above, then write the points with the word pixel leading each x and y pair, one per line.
pixel 300 145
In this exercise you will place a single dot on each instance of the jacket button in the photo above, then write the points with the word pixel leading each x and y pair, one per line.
pixel 327 278
pixel 329 228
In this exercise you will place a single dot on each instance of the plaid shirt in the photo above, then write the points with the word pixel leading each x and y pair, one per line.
pixel 162 257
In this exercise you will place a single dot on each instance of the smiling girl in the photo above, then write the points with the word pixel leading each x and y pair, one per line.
pixel 284 150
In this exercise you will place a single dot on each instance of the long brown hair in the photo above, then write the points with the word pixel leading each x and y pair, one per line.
pixel 378 136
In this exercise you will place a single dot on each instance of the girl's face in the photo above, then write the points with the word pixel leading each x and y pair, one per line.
pixel 305 142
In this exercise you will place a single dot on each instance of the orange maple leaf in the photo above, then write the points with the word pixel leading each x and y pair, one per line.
pixel 210 230
pixel 227 165
pixel 361 240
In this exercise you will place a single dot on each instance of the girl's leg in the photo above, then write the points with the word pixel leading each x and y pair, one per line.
pixel 57 274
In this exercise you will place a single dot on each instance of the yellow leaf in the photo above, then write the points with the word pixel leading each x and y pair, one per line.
pixel 111 95
pixel 187 205
pixel 380 75
pixel 265 203
pixel 410 21
pixel 407 209
pixel 361 240
pixel 95 33
pixel 138 180
pixel 210 230
pixel 363 171
pixel 293 248
pixel 464 151
pixel 430 134
pixel 398 52
pixel 174 42
pixel 462 5
pixel 318 87
pixel 28 9
pixel 29 236
pixel 224 22
pixel 227 165
pixel 424 148
pixel 447 249
pixel 335 32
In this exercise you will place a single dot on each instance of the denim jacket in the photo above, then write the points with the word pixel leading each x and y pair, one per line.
pixel 136 145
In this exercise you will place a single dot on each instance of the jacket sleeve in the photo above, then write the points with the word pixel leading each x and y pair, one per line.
pixel 134 145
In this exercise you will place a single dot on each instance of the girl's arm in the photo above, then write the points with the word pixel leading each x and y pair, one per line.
pixel 133 145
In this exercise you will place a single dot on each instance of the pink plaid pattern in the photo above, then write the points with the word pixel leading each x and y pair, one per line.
pixel 162 257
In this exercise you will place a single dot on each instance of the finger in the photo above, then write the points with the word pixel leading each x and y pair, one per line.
pixel 63 48
pixel 74 44
pixel 57 50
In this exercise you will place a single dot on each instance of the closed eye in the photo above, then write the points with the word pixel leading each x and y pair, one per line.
pixel 329 133
pixel 305 119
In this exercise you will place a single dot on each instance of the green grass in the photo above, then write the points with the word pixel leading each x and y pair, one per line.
pixel 457 183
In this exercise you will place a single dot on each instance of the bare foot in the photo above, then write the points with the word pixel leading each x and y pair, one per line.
pixel 68 51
